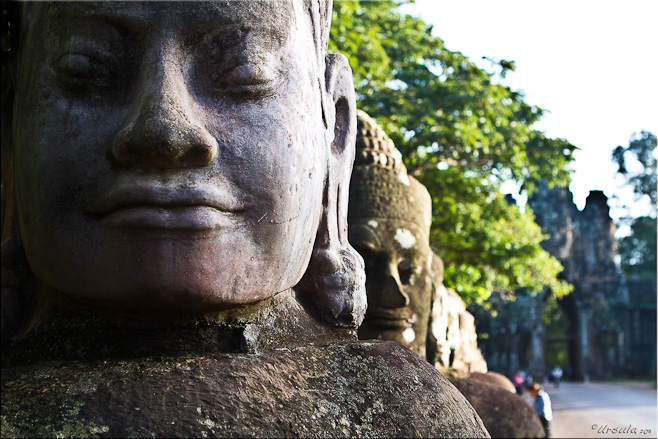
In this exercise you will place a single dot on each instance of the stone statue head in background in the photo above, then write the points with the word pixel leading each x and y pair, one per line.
pixel 389 221
pixel 167 158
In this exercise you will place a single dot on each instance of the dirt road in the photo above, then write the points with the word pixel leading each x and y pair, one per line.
pixel 596 410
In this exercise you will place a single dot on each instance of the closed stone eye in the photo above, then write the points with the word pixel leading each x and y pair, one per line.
pixel 82 72
pixel 250 79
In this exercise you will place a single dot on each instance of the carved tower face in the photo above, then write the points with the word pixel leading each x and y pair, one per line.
pixel 169 156
pixel 389 219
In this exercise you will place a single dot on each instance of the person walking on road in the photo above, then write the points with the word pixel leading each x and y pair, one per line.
pixel 519 381
pixel 556 373
pixel 542 405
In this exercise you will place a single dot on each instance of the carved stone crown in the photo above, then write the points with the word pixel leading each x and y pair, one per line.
pixel 374 147
pixel 380 186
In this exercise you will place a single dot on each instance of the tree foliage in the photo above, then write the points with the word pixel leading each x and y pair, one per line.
pixel 462 134
pixel 638 249
pixel 641 149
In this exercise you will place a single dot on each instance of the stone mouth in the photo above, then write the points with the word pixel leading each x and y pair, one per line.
pixel 389 318
pixel 142 193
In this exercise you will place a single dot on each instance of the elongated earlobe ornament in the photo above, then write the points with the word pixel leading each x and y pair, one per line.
pixel 334 283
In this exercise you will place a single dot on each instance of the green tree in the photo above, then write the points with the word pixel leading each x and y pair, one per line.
pixel 462 134
pixel 637 165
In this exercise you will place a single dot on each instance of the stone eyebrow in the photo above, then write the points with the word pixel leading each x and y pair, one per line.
pixel 133 23
pixel 118 18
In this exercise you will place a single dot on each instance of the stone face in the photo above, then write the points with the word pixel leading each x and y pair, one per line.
pixel 339 390
pixel 167 156
pixel 505 414
pixel 389 219
pixel 452 331
pixel 175 250
pixel 390 216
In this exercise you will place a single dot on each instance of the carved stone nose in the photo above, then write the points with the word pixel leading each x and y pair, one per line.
pixel 164 133
pixel 393 295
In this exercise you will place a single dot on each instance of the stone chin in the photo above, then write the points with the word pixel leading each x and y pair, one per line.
pixel 175 193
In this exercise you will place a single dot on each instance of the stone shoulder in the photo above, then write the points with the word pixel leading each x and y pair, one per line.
pixel 365 388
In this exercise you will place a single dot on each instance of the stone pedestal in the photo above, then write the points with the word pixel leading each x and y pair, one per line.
pixel 504 413
pixel 347 389
pixel 264 370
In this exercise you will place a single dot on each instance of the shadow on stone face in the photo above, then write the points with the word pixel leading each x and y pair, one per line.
pixel 505 414
pixel 494 378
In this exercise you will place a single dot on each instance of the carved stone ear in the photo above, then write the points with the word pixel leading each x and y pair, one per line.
pixel 334 283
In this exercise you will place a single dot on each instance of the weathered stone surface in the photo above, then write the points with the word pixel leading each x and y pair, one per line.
pixel 453 332
pixel 345 389
pixel 76 332
pixel 175 240
pixel 495 379
pixel 599 341
pixel 515 334
pixel 505 414
pixel 389 220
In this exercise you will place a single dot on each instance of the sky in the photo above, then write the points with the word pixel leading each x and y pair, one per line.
pixel 593 64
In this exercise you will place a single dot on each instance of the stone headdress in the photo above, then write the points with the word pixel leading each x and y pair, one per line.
pixel 380 186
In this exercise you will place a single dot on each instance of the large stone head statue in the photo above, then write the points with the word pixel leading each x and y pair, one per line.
pixel 163 158
pixel 389 223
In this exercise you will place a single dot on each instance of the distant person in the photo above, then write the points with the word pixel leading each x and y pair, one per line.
pixel 518 381
pixel 556 374
pixel 542 405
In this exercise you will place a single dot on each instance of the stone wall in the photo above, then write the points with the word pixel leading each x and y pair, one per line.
pixel 512 333
pixel 597 309
pixel 641 339
pixel 604 334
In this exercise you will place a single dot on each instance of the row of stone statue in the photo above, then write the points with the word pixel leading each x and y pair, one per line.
pixel 176 254
pixel 389 223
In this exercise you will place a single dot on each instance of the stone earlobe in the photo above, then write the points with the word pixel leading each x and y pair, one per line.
pixel 334 283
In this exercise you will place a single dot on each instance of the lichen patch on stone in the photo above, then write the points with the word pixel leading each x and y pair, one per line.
pixel 373 224
pixel 404 178
pixel 405 238
pixel 409 335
